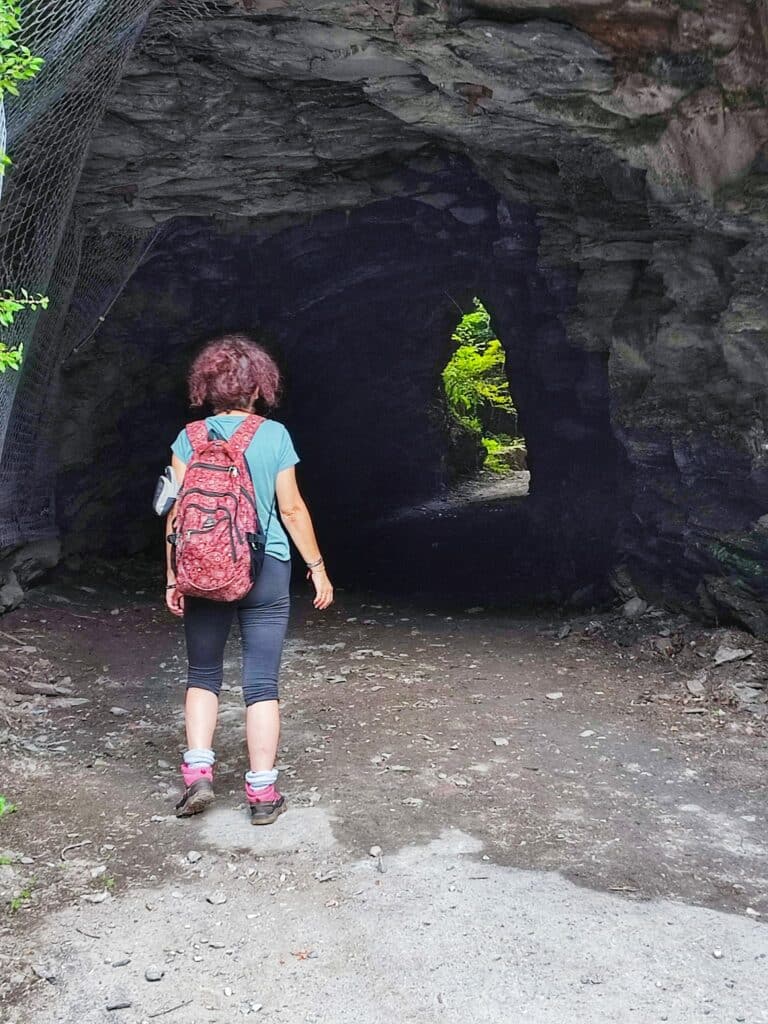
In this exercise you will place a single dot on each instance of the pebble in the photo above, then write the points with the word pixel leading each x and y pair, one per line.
pixel 163 764
pixel 216 898
pixel 717 954
pixel 45 971
pixel 121 963
pixel 95 897
pixel 724 654
pixel 122 1004
pixel 194 856
pixel 154 973
pixel 696 685
pixel 751 912
pixel 118 711
pixel 587 733
pixel 375 851
pixel 501 741
pixel 634 608
pixel 555 695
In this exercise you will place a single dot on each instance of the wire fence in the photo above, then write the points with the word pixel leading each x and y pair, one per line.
pixel 48 127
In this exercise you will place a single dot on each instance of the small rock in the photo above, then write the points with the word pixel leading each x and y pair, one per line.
pixel 327 876
pixel 501 741
pixel 556 695
pixel 634 608
pixel 696 686
pixel 121 963
pixel 163 764
pixel 563 632
pixel 724 654
pixel 412 801
pixel 118 711
pixel 45 971
pixel 375 851
pixel 587 733
pixel 717 954
pixel 751 912
pixel 95 897
pixel 216 898
pixel 121 1004
pixel 194 856
pixel 461 781
pixel 154 973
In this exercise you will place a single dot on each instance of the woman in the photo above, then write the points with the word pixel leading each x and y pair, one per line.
pixel 230 374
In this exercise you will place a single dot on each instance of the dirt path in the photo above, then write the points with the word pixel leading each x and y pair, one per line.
pixel 572 824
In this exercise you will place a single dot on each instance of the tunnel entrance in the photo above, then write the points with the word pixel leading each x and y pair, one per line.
pixel 353 304
pixel 485 442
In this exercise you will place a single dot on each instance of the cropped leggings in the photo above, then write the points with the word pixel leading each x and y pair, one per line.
pixel 263 617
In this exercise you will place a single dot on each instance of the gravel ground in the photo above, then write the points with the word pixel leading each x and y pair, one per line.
pixel 571 817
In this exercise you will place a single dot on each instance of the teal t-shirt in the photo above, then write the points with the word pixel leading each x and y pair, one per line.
pixel 270 452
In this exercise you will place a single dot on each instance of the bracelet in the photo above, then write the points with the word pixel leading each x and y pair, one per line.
pixel 315 565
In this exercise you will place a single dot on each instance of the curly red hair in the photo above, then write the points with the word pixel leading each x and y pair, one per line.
pixel 229 370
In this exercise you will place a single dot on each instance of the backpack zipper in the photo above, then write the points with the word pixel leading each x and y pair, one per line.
pixel 219 469
pixel 231 527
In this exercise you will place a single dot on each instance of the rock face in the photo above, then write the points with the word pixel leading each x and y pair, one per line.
pixel 327 171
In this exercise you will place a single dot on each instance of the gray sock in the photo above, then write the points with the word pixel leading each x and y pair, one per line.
pixel 261 780
pixel 199 757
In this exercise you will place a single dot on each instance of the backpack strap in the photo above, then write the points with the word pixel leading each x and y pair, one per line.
pixel 197 433
pixel 244 434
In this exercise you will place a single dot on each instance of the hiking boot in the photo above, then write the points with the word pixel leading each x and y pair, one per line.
pixel 198 791
pixel 267 807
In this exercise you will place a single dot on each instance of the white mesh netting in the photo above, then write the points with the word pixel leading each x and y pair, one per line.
pixel 85 44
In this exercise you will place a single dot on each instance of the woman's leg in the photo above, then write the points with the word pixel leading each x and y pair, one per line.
pixel 201 708
pixel 206 627
pixel 263 618
pixel 262 733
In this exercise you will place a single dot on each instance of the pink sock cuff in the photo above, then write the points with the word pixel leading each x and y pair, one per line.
pixel 267 795
pixel 191 775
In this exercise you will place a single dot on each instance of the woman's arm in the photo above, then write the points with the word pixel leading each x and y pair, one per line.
pixel 298 522
pixel 173 598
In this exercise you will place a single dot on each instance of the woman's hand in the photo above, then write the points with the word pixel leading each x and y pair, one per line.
pixel 174 600
pixel 323 588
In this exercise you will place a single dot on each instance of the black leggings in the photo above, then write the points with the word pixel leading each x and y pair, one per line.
pixel 263 617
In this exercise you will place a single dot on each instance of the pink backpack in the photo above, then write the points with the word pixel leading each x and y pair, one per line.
pixel 216 530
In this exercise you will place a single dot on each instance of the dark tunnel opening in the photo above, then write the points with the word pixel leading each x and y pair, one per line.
pixel 359 308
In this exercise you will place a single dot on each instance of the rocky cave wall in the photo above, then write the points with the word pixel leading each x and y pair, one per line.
pixel 636 135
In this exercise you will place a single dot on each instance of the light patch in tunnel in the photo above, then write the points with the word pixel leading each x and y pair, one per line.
pixel 485 439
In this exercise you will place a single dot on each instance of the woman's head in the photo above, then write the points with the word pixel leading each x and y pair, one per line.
pixel 231 372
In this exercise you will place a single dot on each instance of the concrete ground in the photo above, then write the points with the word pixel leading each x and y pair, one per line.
pixel 568 831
